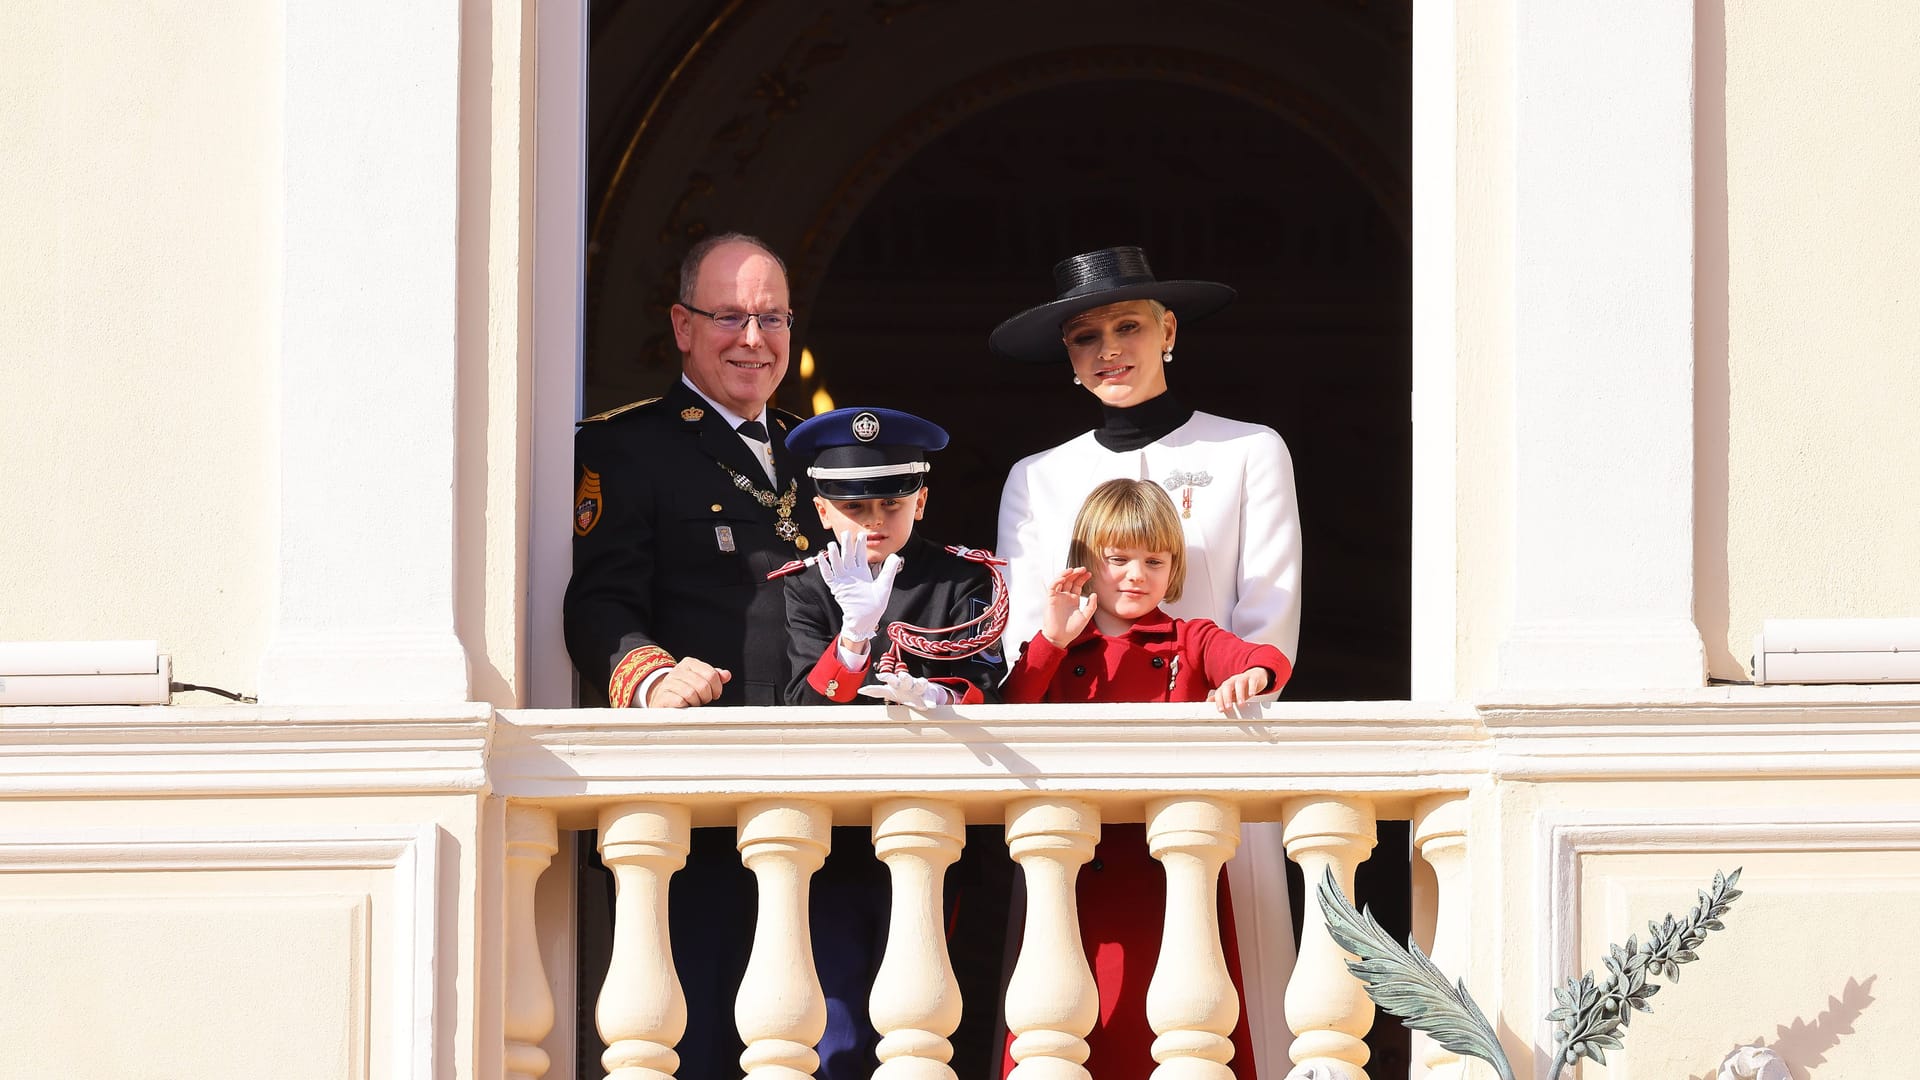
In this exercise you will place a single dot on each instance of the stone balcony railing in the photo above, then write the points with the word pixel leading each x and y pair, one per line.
pixel 397 851
pixel 1052 775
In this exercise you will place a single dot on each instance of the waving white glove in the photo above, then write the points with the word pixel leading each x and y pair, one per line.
pixel 862 596
pixel 903 688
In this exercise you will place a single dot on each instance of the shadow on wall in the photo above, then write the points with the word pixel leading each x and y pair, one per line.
pixel 1803 1044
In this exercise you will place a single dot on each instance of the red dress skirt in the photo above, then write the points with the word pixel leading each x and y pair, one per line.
pixel 1122 895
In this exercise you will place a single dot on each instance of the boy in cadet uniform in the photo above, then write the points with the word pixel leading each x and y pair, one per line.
pixel 869 468
pixel 869 475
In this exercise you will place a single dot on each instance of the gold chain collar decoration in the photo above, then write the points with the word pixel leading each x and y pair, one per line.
pixel 785 528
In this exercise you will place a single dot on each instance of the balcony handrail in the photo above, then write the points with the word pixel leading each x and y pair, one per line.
pixel 849 756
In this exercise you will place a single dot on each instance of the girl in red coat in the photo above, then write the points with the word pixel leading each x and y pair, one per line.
pixel 1104 638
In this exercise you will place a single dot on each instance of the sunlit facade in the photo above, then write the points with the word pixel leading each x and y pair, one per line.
pixel 301 303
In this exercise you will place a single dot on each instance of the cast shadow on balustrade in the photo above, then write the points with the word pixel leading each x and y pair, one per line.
pixel 986 751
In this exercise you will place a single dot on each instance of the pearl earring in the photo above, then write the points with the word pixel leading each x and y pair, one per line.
pixel 1076 380
pixel 1167 357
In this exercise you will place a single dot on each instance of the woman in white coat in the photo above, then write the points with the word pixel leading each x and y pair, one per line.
pixel 1114 324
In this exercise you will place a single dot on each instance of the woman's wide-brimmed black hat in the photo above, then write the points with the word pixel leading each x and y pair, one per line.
pixel 1096 279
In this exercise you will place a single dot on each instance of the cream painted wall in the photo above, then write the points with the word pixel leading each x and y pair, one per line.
pixel 1792 968
pixel 139 196
pixel 1808 316
pixel 214 934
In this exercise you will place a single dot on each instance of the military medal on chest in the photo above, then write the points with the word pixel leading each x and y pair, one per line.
pixel 785 528
pixel 1184 482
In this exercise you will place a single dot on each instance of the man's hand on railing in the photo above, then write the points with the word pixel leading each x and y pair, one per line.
pixel 691 682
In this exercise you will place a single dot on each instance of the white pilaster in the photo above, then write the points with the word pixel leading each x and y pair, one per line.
pixel 368 356
pixel 1435 442
pixel 559 239
pixel 1603 356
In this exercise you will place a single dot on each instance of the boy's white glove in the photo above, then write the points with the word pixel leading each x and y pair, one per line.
pixel 904 688
pixel 862 596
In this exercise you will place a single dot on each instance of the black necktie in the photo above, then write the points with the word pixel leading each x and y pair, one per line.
pixel 755 430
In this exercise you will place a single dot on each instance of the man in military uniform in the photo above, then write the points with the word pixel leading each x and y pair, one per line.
pixel 685 502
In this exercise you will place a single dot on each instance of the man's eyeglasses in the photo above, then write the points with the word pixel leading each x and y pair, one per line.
pixel 771 322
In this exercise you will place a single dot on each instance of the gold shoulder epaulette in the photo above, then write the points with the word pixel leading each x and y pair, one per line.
pixel 613 412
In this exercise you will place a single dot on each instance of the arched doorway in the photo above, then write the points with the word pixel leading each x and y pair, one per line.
pixel 922 166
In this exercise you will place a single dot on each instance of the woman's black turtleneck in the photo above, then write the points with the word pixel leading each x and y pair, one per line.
pixel 1147 422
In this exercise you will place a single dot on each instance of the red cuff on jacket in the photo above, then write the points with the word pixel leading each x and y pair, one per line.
pixel 835 680
pixel 1281 673
pixel 632 670
pixel 964 692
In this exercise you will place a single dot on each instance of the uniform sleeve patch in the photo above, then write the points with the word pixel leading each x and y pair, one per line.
pixel 586 502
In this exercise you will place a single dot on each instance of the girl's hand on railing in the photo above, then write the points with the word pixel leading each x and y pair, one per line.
pixel 1239 689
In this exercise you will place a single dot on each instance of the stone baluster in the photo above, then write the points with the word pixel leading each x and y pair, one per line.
pixel 1191 1003
pixel 781 1011
pixel 1052 1001
pixel 642 1012
pixel 915 1003
pixel 532 840
pixel 1327 1007
pixel 1440 832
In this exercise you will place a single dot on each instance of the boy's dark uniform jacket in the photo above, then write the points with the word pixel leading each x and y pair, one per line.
pixel 934 588
pixel 670 557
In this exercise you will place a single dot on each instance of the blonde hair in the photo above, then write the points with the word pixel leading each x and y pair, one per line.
pixel 1130 513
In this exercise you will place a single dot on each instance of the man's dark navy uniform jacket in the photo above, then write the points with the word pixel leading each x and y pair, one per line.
pixel 669 553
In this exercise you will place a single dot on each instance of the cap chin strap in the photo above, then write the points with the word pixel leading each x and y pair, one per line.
pixel 868 472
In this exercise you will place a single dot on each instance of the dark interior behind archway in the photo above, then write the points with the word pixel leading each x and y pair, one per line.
pixel 1318 346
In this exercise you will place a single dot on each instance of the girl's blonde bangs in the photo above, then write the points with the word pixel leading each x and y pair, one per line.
pixel 1131 514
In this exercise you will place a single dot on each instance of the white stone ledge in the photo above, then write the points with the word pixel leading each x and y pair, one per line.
pixel 1709 704
pixel 1711 733
pixel 979 756
pixel 169 751
pixel 577 759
